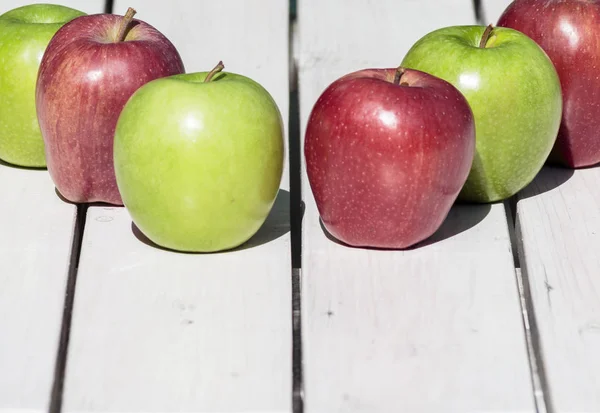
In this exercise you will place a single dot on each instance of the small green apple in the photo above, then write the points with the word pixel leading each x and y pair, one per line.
pixel 514 92
pixel 24 35
pixel 199 158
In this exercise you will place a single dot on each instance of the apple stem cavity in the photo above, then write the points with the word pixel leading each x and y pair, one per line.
pixel 125 24
pixel 220 66
pixel 486 35
pixel 398 76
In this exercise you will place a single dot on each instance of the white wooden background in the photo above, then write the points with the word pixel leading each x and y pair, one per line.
pixel 457 324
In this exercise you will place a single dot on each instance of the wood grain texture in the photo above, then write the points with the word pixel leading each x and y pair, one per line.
pixel 86 6
pixel 354 34
pixel 492 9
pixel 249 36
pixel 432 329
pixel 559 227
pixel 160 331
pixel 36 229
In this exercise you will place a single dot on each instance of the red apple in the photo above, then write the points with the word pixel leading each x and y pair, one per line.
pixel 387 152
pixel 567 30
pixel 91 67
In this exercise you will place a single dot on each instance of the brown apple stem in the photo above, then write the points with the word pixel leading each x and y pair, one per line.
pixel 213 72
pixel 125 21
pixel 486 35
pixel 398 76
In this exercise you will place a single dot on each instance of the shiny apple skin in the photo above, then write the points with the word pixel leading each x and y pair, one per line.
pixel 385 162
pixel 567 30
pixel 85 79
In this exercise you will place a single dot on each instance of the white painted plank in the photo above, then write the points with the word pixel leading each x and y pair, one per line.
pixel 432 329
pixel 86 6
pixel 155 330
pixel 492 9
pixel 35 242
pixel 560 230
pixel 344 35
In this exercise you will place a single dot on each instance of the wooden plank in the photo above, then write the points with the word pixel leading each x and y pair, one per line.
pixel 35 244
pixel 36 230
pixel 492 9
pixel 559 229
pixel 155 330
pixel 436 328
pixel 363 33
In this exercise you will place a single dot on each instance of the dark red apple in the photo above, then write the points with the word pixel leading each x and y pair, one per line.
pixel 387 152
pixel 91 67
pixel 567 30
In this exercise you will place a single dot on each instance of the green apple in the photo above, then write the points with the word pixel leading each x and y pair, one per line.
pixel 198 159
pixel 24 35
pixel 514 92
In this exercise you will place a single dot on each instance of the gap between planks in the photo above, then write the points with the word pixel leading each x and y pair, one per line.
pixel 539 383
pixel 541 391
pixel 296 215
pixel 479 12
pixel 108 6
pixel 65 330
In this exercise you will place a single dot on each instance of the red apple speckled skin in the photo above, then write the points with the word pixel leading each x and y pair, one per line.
pixel 85 79
pixel 568 32
pixel 386 161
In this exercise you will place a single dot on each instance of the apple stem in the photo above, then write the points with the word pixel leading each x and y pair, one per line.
pixel 486 35
pixel 220 66
pixel 125 24
pixel 398 76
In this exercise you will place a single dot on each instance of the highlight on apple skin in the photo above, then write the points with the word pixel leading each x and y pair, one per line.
pixel 568 33
pixel 90 69
pixel 24 35
pixel 387 152
pixel 514 92
pixel 199 159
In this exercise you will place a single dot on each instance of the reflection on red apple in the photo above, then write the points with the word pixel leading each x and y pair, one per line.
pixel 387 152
pixel 90 69
pixel 568 33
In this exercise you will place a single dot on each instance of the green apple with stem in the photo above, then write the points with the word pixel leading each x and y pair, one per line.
pixel 199 158
pixel 514 92
pixel 24 35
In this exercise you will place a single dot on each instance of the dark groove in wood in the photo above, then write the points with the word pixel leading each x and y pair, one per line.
pixel 297 381
pixel 295 161
pixel 541 390
pixel 296 213
pixel 479 12
pixel 510 207
pixel 61 357
pixel 108 6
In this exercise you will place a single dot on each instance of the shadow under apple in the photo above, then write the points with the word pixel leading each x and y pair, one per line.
pixel 275 226
pixel 87 204
pixel 461 218
pixel 549 178
pixel 30 168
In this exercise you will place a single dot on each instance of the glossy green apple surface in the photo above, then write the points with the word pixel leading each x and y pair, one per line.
pixel 198 164
pixel 514 92
pixel 24 35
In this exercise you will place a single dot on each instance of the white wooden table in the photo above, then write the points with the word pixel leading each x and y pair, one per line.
pixel 498 312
